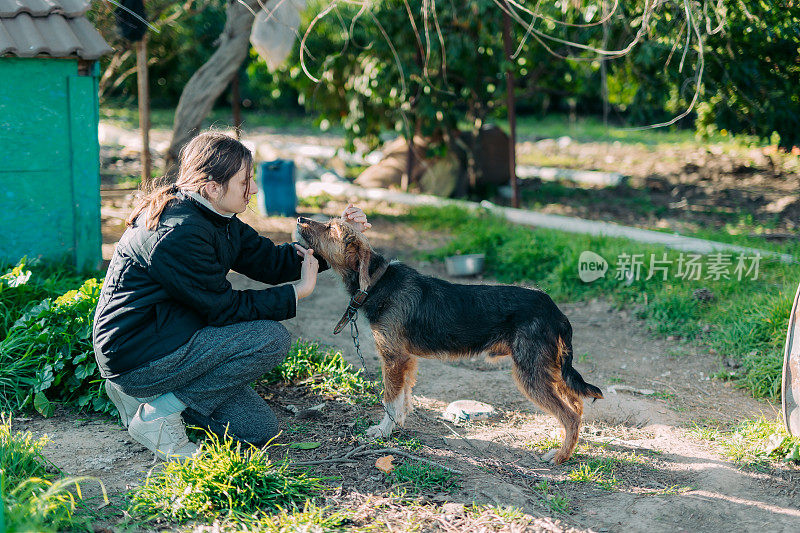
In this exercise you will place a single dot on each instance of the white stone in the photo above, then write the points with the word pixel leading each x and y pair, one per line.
pixel 468 411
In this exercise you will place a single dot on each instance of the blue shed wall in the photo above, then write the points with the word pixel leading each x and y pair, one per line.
pixel 49 162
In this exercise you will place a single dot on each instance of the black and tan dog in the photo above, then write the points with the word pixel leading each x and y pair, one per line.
pixel 413 315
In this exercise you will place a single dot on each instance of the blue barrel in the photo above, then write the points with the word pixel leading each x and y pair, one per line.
pixel 276 192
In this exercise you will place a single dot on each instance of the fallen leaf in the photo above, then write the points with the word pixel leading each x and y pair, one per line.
pixel 304 445
pixel 384 464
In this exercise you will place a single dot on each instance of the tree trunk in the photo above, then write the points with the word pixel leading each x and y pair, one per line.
pixel 512 111
pixel 236 105
pixel 144 109
pixel 212 78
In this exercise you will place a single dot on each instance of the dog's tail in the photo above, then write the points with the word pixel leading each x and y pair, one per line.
pixel 571 376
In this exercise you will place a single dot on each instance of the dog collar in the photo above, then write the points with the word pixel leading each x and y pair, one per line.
pixel 357 300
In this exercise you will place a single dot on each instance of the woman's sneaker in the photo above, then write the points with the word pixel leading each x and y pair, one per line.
pixel 165 436
pixel 126 405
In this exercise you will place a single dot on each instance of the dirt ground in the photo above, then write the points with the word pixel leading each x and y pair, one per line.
pixel 680 188
pixel 667 479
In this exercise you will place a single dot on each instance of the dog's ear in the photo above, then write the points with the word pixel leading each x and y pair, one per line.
pixel 357 258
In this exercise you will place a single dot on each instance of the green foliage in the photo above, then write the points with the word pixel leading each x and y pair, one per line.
pixel 754 330
pixel 376 76
pixel 310 518
pixel 21 456
pixel 758 442
pixel 595 470
pixel 556 502
pixel 224 480
pixel 184 41
pixel 417 477
pixel 26 283
pixel 324 370
pixel 746 318
pixel 389 69
pixel 47 355
pixel 751 79
pixel 31 497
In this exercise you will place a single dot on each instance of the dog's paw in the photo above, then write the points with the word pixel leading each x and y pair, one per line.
pixel 376 432
pixel 548 456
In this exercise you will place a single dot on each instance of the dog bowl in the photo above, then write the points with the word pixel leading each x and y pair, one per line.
pixel 464 265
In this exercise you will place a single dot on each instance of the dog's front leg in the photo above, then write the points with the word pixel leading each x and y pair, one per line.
pixel 396 372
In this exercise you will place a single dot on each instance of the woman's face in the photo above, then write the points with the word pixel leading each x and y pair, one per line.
pixel 234 199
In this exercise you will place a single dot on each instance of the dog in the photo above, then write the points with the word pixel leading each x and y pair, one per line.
pixel 413 315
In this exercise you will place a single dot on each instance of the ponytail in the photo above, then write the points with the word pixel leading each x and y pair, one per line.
pixel 153 204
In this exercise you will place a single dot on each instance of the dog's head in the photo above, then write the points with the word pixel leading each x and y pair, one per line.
pixel 344 248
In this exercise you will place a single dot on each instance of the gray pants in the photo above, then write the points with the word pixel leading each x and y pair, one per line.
pixel 212 373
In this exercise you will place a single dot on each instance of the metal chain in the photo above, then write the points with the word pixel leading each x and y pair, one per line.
pixel 354 333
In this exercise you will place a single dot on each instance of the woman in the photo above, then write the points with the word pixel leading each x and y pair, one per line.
pixel 171 336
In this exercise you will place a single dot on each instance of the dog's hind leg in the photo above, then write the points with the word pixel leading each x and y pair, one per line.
pixel 552 396
pixel 398 378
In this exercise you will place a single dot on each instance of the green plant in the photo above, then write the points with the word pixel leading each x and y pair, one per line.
pixel 28 282
pixel 317 202
pixel 47 355
pixel 309 518
pixel 224 480
pixel 595 470
pixel 756 442
pixel 32 497
pixel 556 503
pixel 325 371
pixel 409 443
pixel 417 477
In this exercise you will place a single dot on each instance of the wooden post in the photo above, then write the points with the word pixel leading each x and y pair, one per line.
pixel 511 107
pixel 603 69
pixel 144 108
pixel 236 104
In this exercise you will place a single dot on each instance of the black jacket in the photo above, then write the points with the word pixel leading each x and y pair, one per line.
pixel 164 285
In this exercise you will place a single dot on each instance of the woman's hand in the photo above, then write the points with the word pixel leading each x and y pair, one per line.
pixel 356 217
pixel 308 272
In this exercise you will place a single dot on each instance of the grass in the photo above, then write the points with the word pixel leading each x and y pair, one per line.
pixel 753 442
pixel 310 518
pixel 584 129
pixel 595 470
pixel 417 478
pixel 592 129
pixel 747 317
pixel 225 480
pixel 33 494
pixel 548 192
pixel 556 503
pixel 400 441
pixel 325 371
pixel 220 118
pixel 315 202
pixel 544 444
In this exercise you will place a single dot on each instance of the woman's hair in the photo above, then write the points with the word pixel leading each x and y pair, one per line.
pixel 211 156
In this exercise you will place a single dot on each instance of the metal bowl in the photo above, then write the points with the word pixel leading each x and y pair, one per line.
pixel 464 265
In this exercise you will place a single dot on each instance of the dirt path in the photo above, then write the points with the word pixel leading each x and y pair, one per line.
pixel 664 477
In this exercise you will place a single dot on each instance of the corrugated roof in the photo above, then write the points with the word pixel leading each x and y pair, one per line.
pixel 57 28
pixel 42 8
